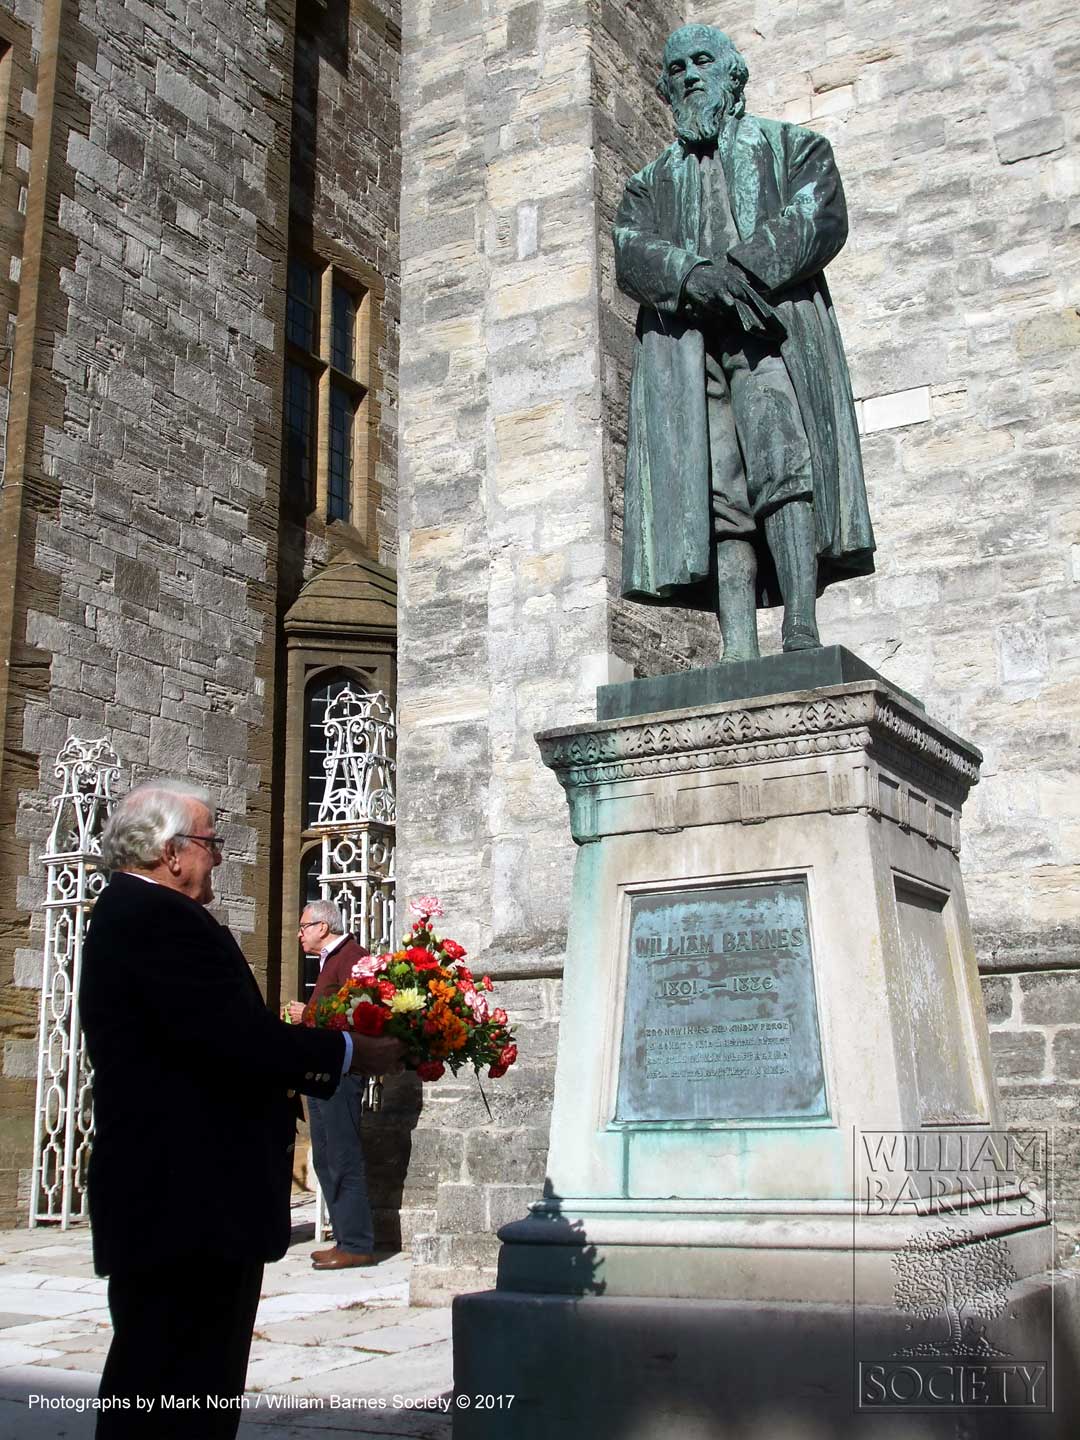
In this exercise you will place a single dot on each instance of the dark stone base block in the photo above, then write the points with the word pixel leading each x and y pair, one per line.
pixel 739 680
pixel 623 1368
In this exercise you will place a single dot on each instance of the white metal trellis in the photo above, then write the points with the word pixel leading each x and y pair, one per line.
pixel 358 812
pixel 356 820
pixel 63 1113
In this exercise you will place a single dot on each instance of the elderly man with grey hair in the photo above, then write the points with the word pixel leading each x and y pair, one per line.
pixel 336 1150
pixel 195 1112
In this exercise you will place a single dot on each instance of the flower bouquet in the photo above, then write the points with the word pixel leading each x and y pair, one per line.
pixel 425 997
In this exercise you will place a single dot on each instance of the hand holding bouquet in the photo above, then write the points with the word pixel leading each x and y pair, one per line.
pixel 424 997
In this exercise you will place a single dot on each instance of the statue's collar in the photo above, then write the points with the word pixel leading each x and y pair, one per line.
pixel 701 149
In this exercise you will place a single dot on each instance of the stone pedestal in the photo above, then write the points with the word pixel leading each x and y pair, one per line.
pixel 620 1368
pixel 773 1074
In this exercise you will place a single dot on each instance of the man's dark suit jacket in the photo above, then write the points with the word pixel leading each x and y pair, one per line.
pixel 194 1122
pixel 338 967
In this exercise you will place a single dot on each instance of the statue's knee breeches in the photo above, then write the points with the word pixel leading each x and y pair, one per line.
pixel 758 451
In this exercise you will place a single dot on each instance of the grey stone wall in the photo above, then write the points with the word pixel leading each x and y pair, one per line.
pixel 17 93
pixel 148 554
pixel 345 186
pixel 505 545
pixel 956 132
pixel 147 488
pixel 172 212
pixel 517 139
pixel 957 296
pixel 470 1172
pixel 20 46
pixel 504 529
pixel 631 126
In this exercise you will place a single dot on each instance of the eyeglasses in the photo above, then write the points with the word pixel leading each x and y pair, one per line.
pixel 310 924
pixel 212 842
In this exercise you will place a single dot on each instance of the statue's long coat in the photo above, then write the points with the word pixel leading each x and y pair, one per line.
pixel 788 206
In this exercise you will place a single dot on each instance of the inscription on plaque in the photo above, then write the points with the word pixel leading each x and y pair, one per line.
pixel 720 1021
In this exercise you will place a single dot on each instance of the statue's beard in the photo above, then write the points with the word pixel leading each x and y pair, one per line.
pixel 699 117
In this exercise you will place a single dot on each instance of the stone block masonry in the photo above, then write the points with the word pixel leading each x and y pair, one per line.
pixel 504 533
pixel 141 489
pixel 632 125
pixel 167 234
pixel 470 1173
pixel 956 296
pixel 144 367
pixel 344 191
pixel 515 138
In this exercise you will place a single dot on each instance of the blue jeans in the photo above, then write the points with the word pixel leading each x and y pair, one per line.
pixel 339 1164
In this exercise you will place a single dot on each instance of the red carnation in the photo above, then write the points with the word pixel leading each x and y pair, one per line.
pixel 486 983
pixel 337 1022
pixel 499 1016
pixel 387 988
pixel 431 1070
pixel 421 959
pixel 369 1019
pixel 496 1070
pixel 508 1055
pixel 453 951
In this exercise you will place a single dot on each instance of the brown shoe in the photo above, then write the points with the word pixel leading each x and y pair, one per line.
pixel 343 1260
pixel 324 1254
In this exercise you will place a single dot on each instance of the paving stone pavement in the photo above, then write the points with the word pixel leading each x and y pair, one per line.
pixel 334 1352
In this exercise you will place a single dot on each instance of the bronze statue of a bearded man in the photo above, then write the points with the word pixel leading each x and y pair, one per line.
pixel 744 483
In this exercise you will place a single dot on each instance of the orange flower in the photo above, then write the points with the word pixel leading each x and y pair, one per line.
pixel 446 1030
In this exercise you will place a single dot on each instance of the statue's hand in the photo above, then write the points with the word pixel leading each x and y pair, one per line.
pixel 720 287
pixel 705 288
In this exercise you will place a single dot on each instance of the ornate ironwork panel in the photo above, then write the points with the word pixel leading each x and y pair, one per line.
pixel 358 813
pixel 356 822
pixel 64 1116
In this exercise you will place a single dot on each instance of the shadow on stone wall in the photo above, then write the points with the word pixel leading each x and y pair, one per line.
pixel 388 1136
pixel 568 1264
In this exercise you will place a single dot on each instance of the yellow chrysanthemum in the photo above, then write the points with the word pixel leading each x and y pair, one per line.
pixel 404 1002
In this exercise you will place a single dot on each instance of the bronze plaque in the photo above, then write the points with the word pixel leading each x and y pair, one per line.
pixel 720 1021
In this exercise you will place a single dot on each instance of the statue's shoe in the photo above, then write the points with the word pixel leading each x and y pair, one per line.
pixel 802 638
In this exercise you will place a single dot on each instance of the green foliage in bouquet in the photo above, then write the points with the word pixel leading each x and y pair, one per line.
pixel 425 997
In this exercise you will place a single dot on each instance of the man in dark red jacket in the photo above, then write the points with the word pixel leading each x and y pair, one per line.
pixel 195 1110
pixel 335 1121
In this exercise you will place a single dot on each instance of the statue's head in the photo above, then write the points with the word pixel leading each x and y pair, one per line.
pixel 702 79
